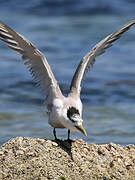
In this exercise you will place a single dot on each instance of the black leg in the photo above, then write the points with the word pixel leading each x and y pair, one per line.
pixel 54 133
pixel 68 134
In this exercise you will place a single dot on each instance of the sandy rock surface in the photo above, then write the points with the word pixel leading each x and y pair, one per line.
pixel 41 159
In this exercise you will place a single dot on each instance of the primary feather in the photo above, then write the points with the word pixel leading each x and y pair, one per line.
pixel 33 59
pixel 89 59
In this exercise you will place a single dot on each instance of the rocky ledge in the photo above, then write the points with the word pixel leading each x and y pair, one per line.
pixel 41 159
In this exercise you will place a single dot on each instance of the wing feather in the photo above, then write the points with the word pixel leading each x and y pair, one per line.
pixel 33 59
pixel 89 59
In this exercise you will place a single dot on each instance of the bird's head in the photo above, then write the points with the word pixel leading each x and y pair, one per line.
pixel 74 116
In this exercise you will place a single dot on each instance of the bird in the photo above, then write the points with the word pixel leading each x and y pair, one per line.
pixel 63 111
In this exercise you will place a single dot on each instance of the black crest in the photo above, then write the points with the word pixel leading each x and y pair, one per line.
pixel 71 111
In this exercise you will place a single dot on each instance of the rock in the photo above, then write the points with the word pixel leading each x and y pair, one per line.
pixel 41 159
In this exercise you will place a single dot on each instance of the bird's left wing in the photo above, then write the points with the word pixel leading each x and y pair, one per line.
pixel 89 59
pixel 33 59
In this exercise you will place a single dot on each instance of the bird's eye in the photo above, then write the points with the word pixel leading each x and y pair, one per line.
pixel 71 112
pixel 72 120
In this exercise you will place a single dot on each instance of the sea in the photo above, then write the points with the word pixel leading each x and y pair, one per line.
pixel 64 31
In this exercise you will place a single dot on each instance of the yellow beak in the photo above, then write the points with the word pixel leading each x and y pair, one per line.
pixel 81 128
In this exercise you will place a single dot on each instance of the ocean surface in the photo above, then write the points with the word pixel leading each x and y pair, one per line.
pixel 65 30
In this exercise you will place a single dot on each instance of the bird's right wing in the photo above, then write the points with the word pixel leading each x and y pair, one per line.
pixel 89 59
pixel 33 59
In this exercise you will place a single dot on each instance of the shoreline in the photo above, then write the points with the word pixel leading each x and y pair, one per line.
pixel 33 158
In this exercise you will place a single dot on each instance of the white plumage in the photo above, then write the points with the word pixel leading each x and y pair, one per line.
pixel 64 112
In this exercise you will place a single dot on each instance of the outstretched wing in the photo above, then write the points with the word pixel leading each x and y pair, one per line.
pixel 33 59
pixel 89 59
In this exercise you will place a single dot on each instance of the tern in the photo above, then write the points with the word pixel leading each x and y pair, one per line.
pixel 63 112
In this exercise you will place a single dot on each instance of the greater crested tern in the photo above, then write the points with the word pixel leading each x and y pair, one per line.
pixel 64 112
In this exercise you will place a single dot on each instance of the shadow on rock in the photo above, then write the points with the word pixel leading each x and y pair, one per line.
pixel 66 145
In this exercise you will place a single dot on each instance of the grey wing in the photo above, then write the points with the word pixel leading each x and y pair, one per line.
pixel 33 59
pixel 89 59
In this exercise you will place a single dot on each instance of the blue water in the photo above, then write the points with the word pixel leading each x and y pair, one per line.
pixel 65 31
